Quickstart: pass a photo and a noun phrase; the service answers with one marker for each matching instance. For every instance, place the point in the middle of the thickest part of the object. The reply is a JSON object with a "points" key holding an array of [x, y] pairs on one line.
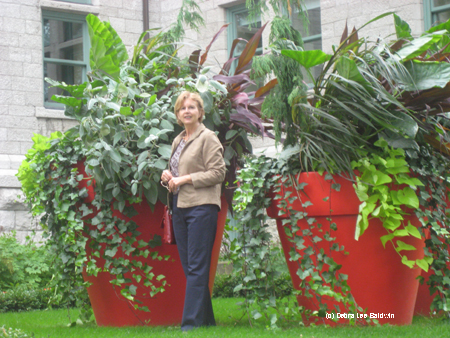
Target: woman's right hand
{"points": [[166, 176]]}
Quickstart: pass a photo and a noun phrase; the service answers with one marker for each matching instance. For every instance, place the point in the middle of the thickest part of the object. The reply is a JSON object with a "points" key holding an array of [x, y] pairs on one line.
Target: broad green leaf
{"points": [[406, 196], [413, 231], [401, 28], [208, 101], [66, 100], [165, 151], [386, 238], [407, 262], [230, 134], [423, 264], [107, 49], [125, 110], [115, 155], [425, 75], [419, 45], [403, 246], [307, 58], [347, 68], [160, 164], [167, 125], [113, 105], [151, 194]]}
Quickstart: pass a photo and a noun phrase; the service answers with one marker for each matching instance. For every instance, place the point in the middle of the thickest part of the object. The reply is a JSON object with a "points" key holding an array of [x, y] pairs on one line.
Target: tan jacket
{"points": [[202, 158]]}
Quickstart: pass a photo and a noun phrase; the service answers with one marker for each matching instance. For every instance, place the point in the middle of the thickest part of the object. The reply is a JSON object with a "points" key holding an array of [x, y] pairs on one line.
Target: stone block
{"points": [[21, 122], [3, 134], [4, 53], [15, 134], [11, 68], [13, 25], [19, 55], [33, 27], [21, 111], [15, 161], [24, 221], [8, 178], [33, 70], [30, 12], [134, 26], [5, 82], [11, 10], [25, 146], [35, 98], [4, 109], [12, 148], [18, 97], [26, 83], [5, 162], [118, 24], [9, 39], [116, 3], [29, 41], [7, 220]]}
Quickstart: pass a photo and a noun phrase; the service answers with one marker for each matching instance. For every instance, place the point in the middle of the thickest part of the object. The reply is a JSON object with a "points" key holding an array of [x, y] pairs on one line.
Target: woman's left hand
{"points": [[176, 182]]}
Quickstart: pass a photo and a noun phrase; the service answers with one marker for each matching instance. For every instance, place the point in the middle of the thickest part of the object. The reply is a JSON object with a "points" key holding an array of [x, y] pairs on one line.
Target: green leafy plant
{"points": [[23, 264], [25, 298], [385, 187], [254, 257], [77, 181]]}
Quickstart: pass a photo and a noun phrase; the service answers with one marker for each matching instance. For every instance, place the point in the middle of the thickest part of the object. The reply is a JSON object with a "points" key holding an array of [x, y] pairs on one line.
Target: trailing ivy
{"points": [[259, 181], [385, 187], [253, 251]]}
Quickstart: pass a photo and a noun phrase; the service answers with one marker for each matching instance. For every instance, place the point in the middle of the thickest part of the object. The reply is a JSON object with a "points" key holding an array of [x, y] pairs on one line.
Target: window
{"points": [[312, 33], [240, 28], [66, 51], [435, 12]]}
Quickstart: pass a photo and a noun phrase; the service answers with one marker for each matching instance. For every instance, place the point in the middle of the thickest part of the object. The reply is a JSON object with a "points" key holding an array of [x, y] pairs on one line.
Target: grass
{"points": [[53, 324]]}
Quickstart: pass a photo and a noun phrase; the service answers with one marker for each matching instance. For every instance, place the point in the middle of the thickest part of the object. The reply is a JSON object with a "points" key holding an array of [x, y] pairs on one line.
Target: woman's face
{"points": [[189, 114]]}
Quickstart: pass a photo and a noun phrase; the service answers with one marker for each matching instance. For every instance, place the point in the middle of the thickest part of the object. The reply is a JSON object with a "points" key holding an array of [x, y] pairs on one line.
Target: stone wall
{"points": [[22, 110], [335, 13], [21, 88]]}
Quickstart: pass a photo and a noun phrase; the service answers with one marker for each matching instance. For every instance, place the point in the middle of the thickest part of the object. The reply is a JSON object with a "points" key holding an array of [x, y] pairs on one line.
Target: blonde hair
{"points": [[194, 97]]}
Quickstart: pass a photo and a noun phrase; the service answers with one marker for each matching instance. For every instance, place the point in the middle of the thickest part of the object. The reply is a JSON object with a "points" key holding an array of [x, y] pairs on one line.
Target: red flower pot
{"points": [[166, 308], [379, 281]]}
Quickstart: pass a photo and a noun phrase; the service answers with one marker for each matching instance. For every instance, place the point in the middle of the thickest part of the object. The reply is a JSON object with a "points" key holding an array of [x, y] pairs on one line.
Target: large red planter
{"points": [[111, 309], [379, 281]]}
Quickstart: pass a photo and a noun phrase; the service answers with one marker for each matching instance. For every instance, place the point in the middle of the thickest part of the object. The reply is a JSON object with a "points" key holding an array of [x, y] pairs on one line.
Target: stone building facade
{"points": [[27, 28]]}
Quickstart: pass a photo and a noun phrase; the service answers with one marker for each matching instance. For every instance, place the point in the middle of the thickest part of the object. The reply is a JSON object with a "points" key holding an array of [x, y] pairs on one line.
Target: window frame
{"points": [[84, 2], [430, 11], [67, 17]]}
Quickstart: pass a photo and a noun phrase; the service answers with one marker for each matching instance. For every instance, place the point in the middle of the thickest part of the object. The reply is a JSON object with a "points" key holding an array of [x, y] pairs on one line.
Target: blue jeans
{"points": [[195, 232]]}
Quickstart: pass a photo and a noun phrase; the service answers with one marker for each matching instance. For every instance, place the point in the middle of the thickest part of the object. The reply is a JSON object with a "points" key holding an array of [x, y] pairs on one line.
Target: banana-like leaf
{"points": [[205, 55], [426, 75], [249, 51], [107, 49], [307, 58]]}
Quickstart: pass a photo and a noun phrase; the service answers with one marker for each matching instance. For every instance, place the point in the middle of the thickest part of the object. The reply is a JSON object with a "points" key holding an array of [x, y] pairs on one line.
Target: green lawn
{"points": [[53, 324]]}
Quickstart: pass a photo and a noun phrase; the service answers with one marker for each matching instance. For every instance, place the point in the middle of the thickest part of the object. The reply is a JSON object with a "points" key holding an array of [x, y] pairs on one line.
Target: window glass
{"points": [[65, 48], [241, 27], [436, 12], [63, 40]]}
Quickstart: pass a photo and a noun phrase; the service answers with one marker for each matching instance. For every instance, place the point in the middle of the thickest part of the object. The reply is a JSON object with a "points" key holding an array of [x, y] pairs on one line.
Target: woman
{"points": [[197, 170]]}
